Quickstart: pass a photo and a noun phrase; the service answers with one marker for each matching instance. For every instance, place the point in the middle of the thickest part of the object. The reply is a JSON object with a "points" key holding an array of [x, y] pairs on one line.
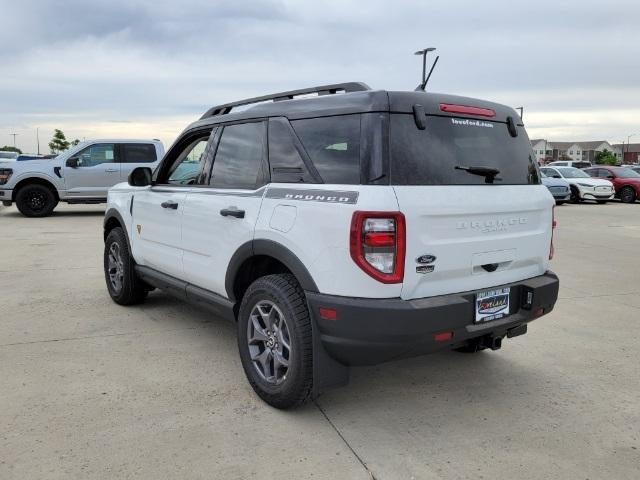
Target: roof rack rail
{"points": [[347, 87]]}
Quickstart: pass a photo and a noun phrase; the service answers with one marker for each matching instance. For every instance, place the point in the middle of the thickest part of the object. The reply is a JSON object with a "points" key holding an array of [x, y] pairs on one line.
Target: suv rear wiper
{"points": [[488, 173]]}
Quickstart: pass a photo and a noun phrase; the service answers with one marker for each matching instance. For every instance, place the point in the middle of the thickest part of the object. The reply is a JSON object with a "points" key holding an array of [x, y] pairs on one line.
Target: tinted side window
{"points": [[333, 144], [285, 161], [238, 161], [138, 153], [96, 155]]}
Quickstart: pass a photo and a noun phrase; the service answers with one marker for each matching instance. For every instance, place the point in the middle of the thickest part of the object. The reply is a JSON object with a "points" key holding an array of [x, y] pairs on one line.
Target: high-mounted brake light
{"points": [[467, 110], [553, 227], [377, 244]]}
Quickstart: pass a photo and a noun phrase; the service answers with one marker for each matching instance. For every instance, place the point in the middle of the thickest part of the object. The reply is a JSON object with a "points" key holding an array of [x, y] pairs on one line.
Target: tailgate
{"points": [[480, 236]]}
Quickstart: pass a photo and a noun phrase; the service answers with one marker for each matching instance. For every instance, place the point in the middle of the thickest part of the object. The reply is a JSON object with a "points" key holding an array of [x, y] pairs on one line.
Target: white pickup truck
{"points": [[82, 174]]}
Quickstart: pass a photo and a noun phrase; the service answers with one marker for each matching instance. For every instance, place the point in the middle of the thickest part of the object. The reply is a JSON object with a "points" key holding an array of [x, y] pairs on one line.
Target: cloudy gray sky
{"points": [[129, 68]]}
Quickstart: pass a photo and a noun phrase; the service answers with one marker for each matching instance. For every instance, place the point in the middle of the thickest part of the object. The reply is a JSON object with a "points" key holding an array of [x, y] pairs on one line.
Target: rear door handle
{"points": [[169, 204], [232, 212], [111, 170]]}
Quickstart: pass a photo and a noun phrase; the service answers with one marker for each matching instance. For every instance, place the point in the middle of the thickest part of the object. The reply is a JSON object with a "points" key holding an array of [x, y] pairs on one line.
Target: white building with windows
{"points": [[550, 151]]}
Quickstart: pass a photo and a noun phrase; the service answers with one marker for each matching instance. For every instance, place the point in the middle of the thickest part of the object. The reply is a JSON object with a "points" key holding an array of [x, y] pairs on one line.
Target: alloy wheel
{"points": [[115, 267], [36, 201], [269, 342]]}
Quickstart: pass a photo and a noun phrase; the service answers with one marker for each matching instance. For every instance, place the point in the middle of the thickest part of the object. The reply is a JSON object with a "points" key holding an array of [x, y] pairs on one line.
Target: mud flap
{"points": [[328, 373]]}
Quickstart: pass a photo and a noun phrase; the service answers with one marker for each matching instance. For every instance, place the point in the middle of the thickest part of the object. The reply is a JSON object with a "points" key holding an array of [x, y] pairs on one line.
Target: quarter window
{"points": [[333, 145], [238, 162]]}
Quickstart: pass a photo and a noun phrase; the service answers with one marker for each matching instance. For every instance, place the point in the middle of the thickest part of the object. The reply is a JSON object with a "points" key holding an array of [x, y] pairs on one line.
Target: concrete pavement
{"points": [[89, 389]]}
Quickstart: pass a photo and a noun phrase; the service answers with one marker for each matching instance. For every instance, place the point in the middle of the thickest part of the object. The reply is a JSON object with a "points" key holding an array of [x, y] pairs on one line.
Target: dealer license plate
{"points": [[492, 304]]}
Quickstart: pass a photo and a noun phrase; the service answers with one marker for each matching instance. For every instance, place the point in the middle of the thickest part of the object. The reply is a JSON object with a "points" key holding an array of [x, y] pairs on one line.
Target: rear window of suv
{"points": [[430, 156]]}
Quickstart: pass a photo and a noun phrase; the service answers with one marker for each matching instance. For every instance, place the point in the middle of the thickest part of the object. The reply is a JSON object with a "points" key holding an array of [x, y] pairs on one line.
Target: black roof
{"points": [[356, 98]]}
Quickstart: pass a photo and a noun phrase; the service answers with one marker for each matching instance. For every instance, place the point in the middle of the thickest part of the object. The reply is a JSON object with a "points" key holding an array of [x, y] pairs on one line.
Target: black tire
{"points": [[36, 200], [130, 289], [601, 202], [296, 381], [628, 195], [560, 202], [575, 195]]}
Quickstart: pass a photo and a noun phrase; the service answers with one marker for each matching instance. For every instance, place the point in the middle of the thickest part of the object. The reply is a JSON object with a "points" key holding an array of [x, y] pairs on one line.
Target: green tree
{"points": [[7, 148], [605, 157], [59, 142]]}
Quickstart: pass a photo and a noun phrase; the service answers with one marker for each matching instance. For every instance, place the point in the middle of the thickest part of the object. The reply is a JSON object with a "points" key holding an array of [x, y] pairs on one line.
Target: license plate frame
{"points": [[492, 304]]}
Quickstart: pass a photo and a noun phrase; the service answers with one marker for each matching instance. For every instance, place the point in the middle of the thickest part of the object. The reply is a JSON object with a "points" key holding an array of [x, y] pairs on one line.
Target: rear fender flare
{"points": [[271, 249]]}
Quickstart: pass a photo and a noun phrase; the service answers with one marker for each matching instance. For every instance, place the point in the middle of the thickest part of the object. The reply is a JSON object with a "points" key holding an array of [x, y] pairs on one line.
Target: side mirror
{"points": [[73, 162], [610, 177], [140, 177]]}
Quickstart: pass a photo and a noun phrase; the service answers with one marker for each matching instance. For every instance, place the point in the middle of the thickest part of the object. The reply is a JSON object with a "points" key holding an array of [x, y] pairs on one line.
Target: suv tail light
{"points": [[377, 244], [553, 227]]}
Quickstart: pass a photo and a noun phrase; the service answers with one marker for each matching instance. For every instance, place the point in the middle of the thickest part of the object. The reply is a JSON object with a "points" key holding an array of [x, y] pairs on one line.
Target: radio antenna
{"points": [[425, 77]]}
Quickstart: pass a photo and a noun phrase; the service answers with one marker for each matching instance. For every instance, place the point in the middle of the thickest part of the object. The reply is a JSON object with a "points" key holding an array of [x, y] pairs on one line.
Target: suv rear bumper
{"points": [[369, 331]]}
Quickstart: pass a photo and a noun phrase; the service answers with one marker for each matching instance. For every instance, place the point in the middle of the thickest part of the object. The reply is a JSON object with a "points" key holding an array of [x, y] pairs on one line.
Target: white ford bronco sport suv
{"points": [[352, 227], [82, 174]]}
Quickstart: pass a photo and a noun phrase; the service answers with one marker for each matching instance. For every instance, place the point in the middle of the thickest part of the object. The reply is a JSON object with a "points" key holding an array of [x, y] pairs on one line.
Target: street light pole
{"points": [[521, 112], [14, 135], [628, 139]]}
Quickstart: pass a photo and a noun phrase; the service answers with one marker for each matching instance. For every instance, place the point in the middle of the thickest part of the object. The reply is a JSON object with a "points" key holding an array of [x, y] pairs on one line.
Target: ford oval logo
{"points": [[425, 259]]}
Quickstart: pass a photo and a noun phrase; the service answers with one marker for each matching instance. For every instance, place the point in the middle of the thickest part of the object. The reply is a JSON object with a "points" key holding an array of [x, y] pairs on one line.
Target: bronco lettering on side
{"points": [[316, 195]]}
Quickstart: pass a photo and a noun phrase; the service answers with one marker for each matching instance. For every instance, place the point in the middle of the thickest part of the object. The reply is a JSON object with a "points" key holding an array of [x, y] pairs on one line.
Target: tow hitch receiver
{"points": [[494, 343]]}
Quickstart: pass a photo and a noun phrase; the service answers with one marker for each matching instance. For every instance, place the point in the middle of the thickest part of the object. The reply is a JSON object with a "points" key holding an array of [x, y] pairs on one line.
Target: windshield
{"points": [[435, 155], [626, 173], [570, 172], [8, 155]]}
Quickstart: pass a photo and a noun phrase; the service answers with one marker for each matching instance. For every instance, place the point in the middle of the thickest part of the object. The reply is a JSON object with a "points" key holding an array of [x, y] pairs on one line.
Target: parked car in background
{"points": [[559, 188], [635, 168], [570, 163], [7, 156], [625, 180], [23, 157], [583, 187], [82, 174]]}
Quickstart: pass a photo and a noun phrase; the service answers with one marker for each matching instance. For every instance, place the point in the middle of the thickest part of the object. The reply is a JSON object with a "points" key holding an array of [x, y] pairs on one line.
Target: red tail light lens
{"points": [[553, 227], [467, 110], [377, 244]]}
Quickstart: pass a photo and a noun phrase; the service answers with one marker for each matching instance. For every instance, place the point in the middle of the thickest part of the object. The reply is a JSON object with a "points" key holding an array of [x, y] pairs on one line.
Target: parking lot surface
{"points": [[89, 389]]}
